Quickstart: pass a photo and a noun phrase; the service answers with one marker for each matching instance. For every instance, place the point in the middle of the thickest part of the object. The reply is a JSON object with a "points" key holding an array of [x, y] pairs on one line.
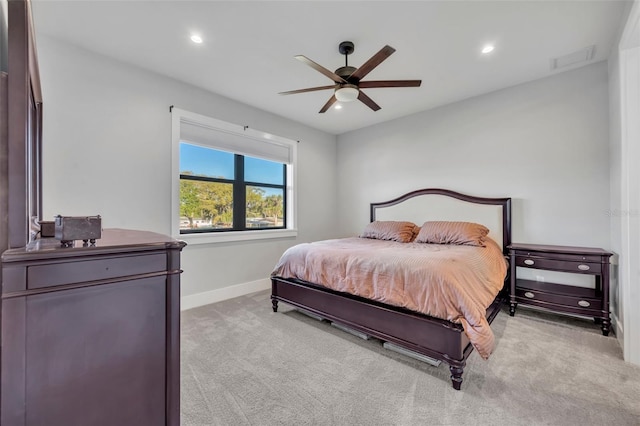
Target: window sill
{"points": [[226, 237]]}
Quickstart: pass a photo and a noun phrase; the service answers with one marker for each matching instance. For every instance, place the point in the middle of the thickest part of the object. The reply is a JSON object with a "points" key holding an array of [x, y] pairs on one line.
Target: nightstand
{"points": [[590, 302]]}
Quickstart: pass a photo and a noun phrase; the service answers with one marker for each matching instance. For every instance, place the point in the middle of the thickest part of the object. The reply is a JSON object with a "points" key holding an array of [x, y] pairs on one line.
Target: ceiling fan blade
{"points": [[333, 76], [328, 104], [373, 62], [390, 83], [368, 101], [310, 89]]}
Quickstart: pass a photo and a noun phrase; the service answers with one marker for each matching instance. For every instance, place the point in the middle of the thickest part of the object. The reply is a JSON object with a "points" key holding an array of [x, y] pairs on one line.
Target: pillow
{"points": [[403, 232], [461, 233]]}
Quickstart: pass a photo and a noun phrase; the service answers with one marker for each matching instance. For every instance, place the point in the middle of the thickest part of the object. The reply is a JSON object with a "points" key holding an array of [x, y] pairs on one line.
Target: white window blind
{"points": [[239, 140]]}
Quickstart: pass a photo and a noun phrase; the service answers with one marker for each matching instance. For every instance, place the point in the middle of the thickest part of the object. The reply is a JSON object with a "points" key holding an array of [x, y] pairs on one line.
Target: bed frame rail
{"points": [[433, 337]]}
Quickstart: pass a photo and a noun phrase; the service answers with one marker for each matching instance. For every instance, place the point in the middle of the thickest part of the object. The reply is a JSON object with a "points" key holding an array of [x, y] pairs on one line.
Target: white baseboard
{"points": [[220, 294], [618, 326]]}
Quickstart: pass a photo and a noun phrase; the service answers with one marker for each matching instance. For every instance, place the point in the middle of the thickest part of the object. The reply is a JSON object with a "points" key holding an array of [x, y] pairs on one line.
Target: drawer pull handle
{"points": [[584, 303], [528, 262], [583, 267], [531, 295]]}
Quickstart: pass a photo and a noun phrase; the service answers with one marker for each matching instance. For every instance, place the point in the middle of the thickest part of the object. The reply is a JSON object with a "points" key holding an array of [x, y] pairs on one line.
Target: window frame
{"points": [[228, 235]]}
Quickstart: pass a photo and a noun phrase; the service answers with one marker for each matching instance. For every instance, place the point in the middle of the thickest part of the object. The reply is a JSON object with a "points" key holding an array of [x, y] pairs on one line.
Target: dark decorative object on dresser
{"points": [[71, 228], [590, 302]]}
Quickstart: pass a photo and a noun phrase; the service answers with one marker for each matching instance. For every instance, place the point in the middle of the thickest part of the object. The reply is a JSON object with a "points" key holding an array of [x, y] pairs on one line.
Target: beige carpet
{"points": [[242, 364]]}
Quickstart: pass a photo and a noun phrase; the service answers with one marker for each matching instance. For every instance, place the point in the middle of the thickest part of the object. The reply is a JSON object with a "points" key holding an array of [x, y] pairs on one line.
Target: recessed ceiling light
{"points": [[196, 39], [488, 48], [338, 106]]}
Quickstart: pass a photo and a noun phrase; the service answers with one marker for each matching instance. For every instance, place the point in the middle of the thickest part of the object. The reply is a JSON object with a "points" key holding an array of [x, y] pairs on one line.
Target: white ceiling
{"points": [[248, 48]]}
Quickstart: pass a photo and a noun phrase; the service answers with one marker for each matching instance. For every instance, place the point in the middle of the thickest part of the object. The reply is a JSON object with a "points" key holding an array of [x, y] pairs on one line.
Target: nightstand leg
{"points": [[603, 282], [512, 286]]}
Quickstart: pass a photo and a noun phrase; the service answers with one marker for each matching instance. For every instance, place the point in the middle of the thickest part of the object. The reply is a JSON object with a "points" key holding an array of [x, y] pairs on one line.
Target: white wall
{"points": [[107, 151], [615, 196], [543, 143], [624, 96]]}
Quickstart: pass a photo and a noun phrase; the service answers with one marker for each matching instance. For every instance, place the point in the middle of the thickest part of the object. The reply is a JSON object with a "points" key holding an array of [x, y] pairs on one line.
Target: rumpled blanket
{"points": [[452, 282]]}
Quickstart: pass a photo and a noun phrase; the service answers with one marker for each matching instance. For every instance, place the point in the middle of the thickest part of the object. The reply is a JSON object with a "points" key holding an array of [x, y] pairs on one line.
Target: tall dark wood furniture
{"points": [[4, 173], [90, 335], [24, 143], [591, 302]]}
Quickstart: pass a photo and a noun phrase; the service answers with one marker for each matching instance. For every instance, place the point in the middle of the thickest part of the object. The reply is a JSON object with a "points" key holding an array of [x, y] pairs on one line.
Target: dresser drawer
{"points": [[559, 265], [54, 274], [576, 302]]}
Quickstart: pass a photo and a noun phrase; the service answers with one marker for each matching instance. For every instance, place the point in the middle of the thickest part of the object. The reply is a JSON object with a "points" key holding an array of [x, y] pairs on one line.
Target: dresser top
{"points": [[559, 249], [113, 240]]}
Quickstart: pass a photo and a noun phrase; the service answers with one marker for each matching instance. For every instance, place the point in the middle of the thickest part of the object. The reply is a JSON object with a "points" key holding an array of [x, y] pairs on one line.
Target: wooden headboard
{"points": [[442, 204]]}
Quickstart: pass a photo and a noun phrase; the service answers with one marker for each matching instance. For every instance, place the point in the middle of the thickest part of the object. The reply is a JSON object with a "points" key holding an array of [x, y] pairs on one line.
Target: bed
{"points": [[434, 337]]}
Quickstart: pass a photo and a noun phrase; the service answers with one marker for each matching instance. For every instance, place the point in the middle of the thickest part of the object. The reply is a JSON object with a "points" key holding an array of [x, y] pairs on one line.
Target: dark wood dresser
{"points": [[568, 299], [91, 334]]}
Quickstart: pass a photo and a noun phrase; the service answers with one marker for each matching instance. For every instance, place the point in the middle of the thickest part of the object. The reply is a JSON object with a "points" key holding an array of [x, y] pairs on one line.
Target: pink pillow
{"points": [[403, 232], [461, 233]]}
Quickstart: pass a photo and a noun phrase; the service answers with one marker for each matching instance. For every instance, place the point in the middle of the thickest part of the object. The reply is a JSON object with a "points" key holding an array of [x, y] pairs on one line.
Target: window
{"points": [[221, 191], [230, 182]]}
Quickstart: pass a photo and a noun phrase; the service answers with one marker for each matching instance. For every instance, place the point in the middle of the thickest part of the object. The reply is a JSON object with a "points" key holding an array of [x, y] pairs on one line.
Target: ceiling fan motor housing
{"points": [[345, 72]]}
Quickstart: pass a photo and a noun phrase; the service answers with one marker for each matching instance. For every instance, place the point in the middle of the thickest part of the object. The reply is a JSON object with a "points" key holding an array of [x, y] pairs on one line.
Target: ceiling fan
{"points": [[348, 80]]}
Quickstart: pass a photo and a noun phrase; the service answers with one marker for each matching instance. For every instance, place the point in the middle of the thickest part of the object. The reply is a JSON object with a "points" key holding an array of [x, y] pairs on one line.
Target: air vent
{"points": [[580, 56]]}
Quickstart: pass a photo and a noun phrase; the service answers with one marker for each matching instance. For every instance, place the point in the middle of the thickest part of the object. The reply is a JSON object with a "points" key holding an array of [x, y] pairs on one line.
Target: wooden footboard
{"points": [[433, 337]]}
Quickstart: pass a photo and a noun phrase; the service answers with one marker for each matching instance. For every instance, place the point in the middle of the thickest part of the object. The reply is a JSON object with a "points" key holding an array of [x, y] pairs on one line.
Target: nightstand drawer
{"points": [[532, 295], [558, 265]]}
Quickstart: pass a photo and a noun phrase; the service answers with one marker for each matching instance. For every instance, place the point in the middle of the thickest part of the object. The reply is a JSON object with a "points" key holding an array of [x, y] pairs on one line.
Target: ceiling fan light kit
{"points": [[347, 93], [347, 79]]}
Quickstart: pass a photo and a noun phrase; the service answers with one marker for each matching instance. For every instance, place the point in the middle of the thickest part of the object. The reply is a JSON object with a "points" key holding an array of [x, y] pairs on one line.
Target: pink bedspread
{"points": [[452, 282]]}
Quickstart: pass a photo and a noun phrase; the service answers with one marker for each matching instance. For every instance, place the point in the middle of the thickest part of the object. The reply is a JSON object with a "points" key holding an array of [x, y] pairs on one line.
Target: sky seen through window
{"points": [[208, 162]]}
